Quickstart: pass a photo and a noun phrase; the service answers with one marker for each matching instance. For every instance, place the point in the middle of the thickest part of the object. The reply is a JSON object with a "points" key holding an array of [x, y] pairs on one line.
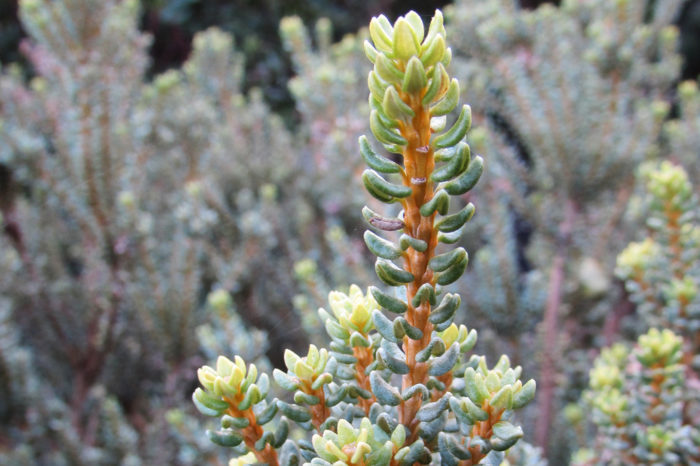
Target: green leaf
{"points": [[446, 309], [506, 430], [335, 330], [293, 412], [475, 386], [416, 23], [440, 202], [384, 326], [455, 221], [377, 86], [207, 404], [448, 102], [446, 57], [454, 271], [387, 70], [416, 454], [252, 396], [436, 347], [458, 130], [469, 342], [474, 411], [382, 133], [376, 104], [380, 222], [433, 54], [414, 389], [415, 78], [390, 303], [444, 261], [431, 411], [336, 397], [455, 164], [302, 398], [448, 445], [358, 340], [450, 238], [393, 357], [402, 326], [406, 241], [386, 394], [406, 44], [381, 247], [436, 27], [381, 38], [466, 180], [443, 364], [323, 379], [524, 395], [505, 435], [370, 51], [230, 422], [503, 399], [429, 430], [375, 183], [284, 381], [376, 161], [438, 82], [381, 456], [281, 434], [460, 412], [266, 414], [390, 274], [426, 293], [267, 437], [225, 438], [394, 107]]}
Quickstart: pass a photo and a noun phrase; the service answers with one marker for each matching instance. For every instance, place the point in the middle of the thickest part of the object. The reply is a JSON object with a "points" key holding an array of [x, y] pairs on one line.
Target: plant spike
{"points": [[411, 92], [416, 90], [345, 394]]}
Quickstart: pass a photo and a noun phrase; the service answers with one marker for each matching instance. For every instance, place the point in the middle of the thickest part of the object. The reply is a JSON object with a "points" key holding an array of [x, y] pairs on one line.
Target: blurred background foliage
{"points": [[254, 24], [245, 135]]}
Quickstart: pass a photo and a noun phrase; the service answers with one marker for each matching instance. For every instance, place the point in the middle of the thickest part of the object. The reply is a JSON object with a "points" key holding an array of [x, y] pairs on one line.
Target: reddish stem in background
{"points": [[548, 372]]}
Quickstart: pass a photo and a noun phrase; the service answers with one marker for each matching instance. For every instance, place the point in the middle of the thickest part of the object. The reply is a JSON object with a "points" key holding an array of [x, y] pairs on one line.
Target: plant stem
{"points": [[548, 372], [419, 164]]}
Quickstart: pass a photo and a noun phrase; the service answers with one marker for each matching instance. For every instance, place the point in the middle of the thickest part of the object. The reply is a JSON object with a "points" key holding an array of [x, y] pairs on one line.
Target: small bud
{"points": [[406, 44], [415, 78]]}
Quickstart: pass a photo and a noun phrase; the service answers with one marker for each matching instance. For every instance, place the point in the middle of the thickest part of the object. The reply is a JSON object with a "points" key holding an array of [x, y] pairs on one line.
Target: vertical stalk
{"points": [[548, 372], [419, 164]]}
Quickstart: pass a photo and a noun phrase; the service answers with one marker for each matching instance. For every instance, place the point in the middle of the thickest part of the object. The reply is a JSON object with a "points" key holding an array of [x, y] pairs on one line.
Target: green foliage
{"points": [[436, 407], [570, 99], [127, 204], [643, 399]]}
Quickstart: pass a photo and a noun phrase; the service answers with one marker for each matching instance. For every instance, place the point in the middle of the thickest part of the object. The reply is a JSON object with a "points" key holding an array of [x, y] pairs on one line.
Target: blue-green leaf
{"points": [[443, 364], [384, 134], [383, 223], [448, 102], [381, 247], [390, 303], [440, 202], [386, 393], [406, 241], [385, 190], [390, 274], [458, 130], [444, 261], [455, 270], [376, 161], [466, 180], [455, 221], [225, 438]]}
